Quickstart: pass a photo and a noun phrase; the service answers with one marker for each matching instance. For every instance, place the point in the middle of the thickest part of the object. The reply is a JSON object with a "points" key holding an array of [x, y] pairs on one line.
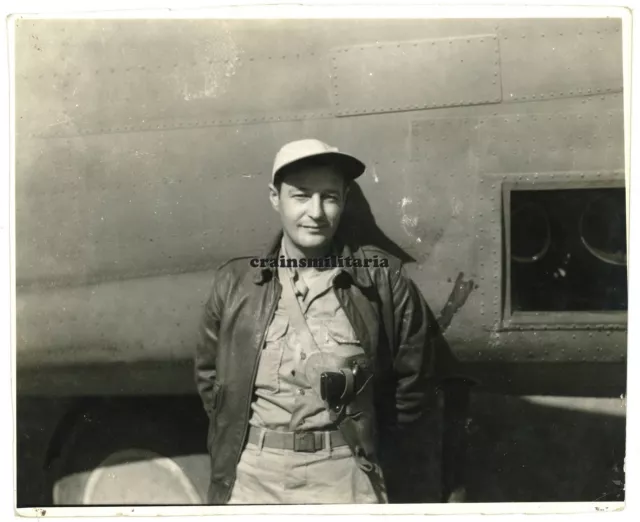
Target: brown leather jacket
{"points": [[398, 332]]}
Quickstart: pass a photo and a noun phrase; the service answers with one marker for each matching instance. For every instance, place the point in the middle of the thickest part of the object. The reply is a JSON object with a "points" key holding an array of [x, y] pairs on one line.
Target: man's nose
{"points": [[315, 207]]}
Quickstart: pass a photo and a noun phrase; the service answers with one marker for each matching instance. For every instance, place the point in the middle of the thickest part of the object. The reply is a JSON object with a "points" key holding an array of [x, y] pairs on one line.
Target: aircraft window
{"points": [[530, 233], [568, 250]]}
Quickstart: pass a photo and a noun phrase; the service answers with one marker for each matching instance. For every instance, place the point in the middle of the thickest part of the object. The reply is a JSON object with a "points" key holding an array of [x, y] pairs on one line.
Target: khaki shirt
{"points": [[285, 400]]}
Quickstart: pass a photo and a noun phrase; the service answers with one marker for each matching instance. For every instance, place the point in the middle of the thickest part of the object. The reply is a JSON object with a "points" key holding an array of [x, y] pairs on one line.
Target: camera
{"points": [[338, 388]]}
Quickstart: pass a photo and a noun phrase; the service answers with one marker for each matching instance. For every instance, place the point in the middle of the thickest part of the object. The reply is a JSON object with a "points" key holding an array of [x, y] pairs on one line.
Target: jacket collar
{"points": [[359, 275]]}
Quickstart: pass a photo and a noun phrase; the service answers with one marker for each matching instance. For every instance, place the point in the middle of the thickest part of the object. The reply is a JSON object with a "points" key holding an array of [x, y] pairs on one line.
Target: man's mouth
{"points": [[315, 228]]}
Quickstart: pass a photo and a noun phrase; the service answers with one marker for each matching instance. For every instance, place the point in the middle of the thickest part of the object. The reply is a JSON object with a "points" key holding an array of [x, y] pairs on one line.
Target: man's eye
{"points": [[300, 196], [331, 197]]}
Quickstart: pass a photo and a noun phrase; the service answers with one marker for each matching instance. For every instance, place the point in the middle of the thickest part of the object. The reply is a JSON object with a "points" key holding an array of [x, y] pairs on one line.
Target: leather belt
{"points": [[299, 441]]}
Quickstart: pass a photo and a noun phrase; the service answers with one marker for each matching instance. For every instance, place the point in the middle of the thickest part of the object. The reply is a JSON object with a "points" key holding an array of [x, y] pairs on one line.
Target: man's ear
{"points": [[274, 197]]}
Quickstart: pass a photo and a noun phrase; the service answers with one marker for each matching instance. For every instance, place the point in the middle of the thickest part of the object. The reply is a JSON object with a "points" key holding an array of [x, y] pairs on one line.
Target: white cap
{"points": [[299, 150]]}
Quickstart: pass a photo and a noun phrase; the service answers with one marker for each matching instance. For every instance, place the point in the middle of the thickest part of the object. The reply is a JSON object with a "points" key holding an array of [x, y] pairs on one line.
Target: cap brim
{"points": [[348, 165]]}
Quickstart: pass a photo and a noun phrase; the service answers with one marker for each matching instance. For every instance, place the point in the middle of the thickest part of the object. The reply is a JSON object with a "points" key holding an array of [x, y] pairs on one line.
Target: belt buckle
{"points": [[304, 441]]}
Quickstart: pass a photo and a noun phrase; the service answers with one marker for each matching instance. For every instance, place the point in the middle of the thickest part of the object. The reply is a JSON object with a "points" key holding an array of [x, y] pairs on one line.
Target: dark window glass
{"points": [[568, 250]]}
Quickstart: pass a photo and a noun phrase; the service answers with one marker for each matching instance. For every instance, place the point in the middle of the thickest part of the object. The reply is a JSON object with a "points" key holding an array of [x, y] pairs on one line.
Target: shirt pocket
{"points": [[268, 377], [341, 338]]}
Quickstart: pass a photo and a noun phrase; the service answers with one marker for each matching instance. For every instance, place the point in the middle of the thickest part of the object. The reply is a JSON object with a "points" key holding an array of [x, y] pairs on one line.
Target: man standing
{"points": [[309, 369]]}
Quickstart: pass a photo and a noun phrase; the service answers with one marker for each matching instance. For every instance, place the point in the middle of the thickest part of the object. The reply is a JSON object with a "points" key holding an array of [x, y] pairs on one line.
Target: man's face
{"points": [[310, 203]]}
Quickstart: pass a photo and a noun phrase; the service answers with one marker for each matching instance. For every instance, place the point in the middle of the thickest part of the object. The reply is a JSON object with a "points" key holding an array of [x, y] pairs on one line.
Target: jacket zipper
{"points": [[272, 312]]}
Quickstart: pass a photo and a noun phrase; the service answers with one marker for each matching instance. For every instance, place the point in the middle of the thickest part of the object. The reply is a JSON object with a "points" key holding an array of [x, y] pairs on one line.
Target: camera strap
{"points": [[300, 325], [294, 310], [318, 361]]}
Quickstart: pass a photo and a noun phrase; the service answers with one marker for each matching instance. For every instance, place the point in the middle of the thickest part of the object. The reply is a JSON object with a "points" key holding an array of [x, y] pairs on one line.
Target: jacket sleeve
{"points": [[207, 348], [416, 338], [406, 448]]}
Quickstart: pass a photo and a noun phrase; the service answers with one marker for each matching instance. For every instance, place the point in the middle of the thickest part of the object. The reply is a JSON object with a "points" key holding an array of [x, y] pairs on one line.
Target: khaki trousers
{"points": [[275, 476]]}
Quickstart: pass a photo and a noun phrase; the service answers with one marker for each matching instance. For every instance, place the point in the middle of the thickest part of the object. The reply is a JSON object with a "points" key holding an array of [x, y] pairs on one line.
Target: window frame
{"points": [[549, 319]]}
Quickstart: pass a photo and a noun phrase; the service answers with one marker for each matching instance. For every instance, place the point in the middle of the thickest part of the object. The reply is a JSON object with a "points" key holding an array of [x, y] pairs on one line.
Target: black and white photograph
{"points": [[312, 261]]}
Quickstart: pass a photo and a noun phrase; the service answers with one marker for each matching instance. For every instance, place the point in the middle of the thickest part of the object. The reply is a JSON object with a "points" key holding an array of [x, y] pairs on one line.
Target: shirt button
{"points": [[293, 372], [303, 356], [300, 391]]}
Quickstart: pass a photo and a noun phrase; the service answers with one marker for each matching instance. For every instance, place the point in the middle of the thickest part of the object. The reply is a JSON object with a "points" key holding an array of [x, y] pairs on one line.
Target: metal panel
{"points": [[442, 152], [136, 204], [321, 34], [413, 75], [552, 142], [600, 104], [443, 142], [445, 149], [487, 230], [560, 58], [101, 77], [137, 320], [554, 346]]}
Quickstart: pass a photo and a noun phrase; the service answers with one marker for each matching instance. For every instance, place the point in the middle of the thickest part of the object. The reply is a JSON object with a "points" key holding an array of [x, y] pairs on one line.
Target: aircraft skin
{"points": [[143, 155]]}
